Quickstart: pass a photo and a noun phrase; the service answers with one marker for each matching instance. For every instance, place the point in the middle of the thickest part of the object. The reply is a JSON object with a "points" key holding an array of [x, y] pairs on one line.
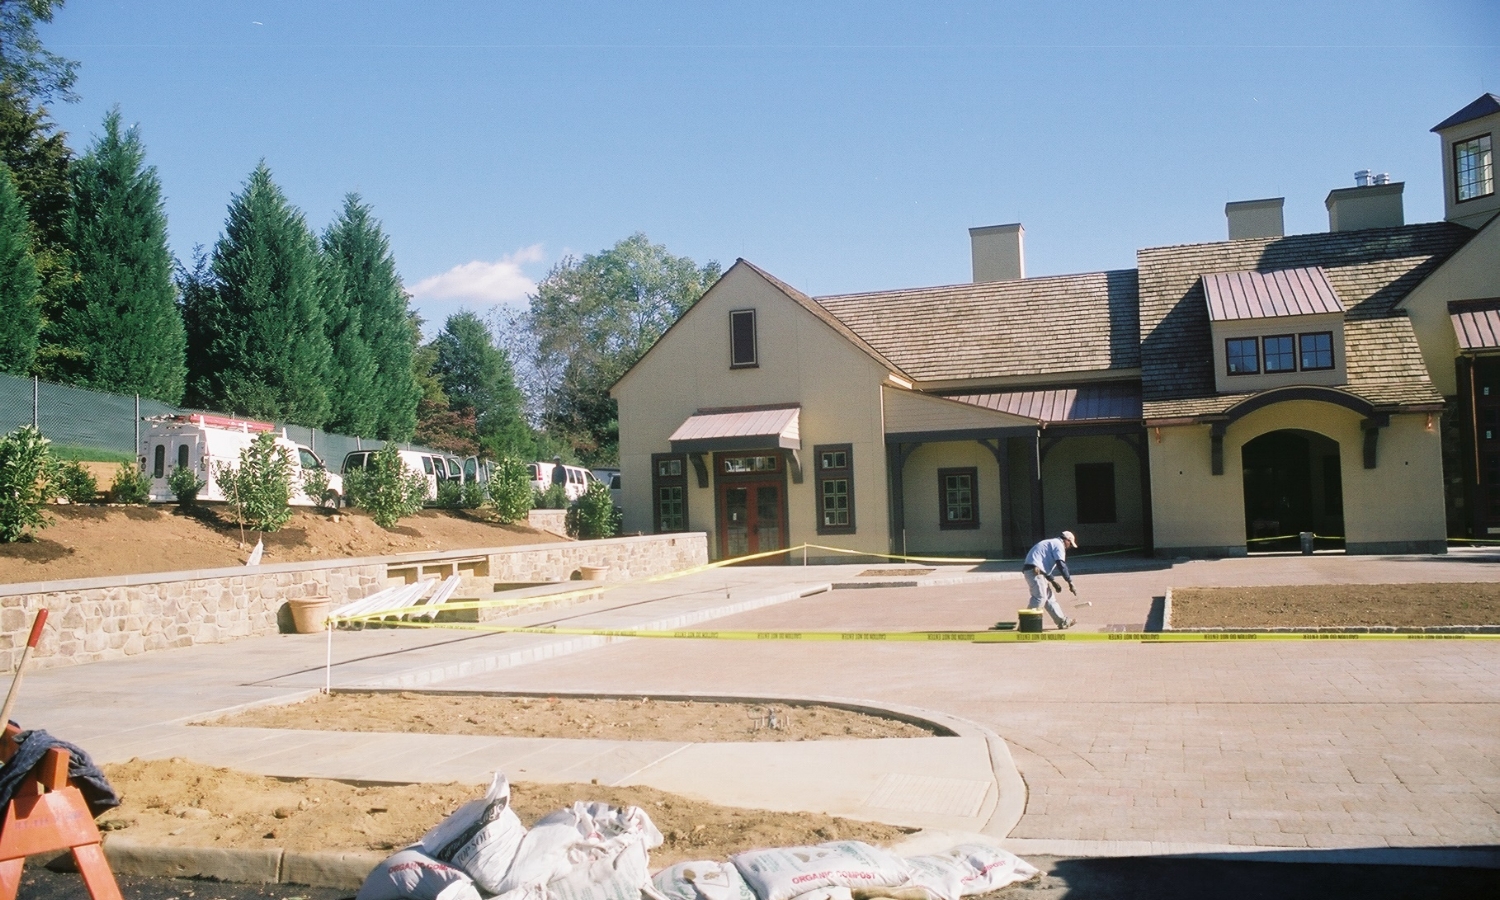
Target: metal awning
{"points": [[1086, 403], [1476, 324], [741, 428], [1267, 295]]}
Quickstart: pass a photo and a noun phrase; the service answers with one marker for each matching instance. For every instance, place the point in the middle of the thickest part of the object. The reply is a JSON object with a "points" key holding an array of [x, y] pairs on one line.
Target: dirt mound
{"points": [[179, 803], [636, 719], [86, 541]]}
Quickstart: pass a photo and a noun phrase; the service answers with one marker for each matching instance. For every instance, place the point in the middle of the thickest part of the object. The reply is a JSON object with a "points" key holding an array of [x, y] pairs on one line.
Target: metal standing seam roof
{"points": [[760, 426], [1092, 402], [1265, 295], [1476, 324]]}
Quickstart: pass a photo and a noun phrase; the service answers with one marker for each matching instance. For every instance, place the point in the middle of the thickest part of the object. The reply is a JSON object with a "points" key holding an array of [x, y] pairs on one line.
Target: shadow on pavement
{"points": [[1171, 878]]}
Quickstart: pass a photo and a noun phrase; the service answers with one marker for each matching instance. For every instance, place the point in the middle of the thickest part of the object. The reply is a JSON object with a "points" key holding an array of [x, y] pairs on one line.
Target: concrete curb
{"points": [[342, 869]]}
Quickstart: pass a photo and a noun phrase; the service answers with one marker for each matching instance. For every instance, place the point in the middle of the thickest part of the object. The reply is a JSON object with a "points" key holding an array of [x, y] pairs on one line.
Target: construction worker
{"points": [[1041, 567]]}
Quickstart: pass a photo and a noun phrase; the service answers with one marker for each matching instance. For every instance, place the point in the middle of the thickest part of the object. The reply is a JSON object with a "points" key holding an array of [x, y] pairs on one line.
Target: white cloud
{"points": [[501, 281]]}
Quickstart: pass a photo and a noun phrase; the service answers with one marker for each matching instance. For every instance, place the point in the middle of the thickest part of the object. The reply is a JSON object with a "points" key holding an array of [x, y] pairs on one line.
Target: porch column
{"points": [[1034, 468]]}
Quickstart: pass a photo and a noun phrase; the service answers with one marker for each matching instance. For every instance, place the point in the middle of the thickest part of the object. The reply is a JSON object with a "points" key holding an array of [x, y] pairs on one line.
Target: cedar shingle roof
{"points": [[1052, 325], [1370, 270], [823, 315]]}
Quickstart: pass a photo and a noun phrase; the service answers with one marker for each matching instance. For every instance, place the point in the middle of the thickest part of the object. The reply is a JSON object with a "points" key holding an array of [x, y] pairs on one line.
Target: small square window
{"points": [[834, 459], [669, 468], [1279, 354], [1317, 350], [744, 352], [1243, 355], [1473, 169]]}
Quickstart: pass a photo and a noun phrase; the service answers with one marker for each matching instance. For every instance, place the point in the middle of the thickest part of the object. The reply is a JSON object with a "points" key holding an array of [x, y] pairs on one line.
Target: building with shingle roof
{"points": [[1219, 398]]}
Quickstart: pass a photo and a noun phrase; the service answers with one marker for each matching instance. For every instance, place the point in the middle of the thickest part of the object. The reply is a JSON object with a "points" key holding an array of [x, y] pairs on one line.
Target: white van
{"points": [[576, 478], [437, 468], [202, 441]]}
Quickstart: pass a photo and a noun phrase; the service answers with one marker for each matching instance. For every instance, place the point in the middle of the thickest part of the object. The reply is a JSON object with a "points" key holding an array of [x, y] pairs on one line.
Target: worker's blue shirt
{"points": [[1049, 554]]}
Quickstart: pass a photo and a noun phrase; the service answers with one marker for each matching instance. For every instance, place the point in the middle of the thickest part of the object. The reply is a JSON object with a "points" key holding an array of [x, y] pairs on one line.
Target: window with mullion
{"points": [[1242, 355], [958, 498], [835, 475], [1280, 356], [669, 493], [1317, 350], [1473, 168]]}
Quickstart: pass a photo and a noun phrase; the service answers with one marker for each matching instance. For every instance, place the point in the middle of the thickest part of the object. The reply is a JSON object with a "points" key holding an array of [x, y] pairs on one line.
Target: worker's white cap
{"points": [[1068, 536]]}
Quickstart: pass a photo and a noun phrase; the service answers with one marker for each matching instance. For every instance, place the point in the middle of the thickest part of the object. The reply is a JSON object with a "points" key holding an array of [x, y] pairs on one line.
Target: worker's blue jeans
{"points": [[1042, 595]]}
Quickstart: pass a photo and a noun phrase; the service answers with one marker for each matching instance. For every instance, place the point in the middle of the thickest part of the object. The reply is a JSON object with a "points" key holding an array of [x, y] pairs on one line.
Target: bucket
{"points": [[309, 614], [593, 573], [1031, 621]]}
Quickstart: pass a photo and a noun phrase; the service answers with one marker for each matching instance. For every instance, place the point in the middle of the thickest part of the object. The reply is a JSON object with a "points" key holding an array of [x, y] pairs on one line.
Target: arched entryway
{"points": [[1293, 483]]}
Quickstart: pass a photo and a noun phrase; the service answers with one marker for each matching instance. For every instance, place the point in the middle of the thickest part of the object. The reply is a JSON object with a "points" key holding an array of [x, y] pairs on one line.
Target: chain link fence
{"points": [[79, 418]]}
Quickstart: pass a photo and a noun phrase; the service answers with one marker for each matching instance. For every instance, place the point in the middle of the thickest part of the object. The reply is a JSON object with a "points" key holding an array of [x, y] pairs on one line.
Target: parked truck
{"points": [[203, 441]]}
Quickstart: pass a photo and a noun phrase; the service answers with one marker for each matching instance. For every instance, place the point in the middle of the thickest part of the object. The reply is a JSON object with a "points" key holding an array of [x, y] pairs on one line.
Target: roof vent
{"points": [[1364, 178], [1383, 178]]}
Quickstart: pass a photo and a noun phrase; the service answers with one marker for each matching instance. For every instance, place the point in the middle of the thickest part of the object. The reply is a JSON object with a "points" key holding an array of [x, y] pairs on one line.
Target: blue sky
{"points": [[841, 146]]}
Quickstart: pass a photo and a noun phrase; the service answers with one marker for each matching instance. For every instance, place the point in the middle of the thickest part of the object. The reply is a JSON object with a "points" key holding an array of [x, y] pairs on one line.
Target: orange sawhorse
{"points": [[48, 814]]}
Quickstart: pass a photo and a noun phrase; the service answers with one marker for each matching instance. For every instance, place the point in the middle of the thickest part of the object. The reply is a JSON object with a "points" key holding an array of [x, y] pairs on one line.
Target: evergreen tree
{"points": [[353, 406], [477, 377], [19, 318], [197, 299], [374, 315], [122, 317], [38, 157], [262, 349]]}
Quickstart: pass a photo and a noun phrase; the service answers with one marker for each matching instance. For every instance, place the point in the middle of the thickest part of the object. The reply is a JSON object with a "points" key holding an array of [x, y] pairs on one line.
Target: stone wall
{"points": [[96, 619]]}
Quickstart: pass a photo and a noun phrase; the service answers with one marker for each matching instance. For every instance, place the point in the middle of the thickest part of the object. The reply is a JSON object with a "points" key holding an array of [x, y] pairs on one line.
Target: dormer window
{"points": [[1473, 169], [1274, 329]]}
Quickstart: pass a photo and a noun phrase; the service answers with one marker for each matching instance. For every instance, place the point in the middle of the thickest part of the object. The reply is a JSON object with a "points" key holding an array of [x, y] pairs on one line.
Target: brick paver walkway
{"points": [[1276, 744]]}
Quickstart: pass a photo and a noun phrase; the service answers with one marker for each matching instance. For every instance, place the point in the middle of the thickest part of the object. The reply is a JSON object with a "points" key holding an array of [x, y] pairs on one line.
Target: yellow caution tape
{"points": [[972, 637]]}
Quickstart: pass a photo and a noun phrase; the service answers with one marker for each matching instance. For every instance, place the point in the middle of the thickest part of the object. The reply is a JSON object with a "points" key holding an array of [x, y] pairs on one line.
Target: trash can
{"points": [[1306, 539], [1030, 621], [309, 613]]}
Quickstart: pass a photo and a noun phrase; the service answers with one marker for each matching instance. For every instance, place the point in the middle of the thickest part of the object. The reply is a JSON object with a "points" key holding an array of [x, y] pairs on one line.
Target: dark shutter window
{"points": [[182, 456], [668, 493], [743, 352], [835, 479], [159, 461], [958, 498], [1094, 484]]}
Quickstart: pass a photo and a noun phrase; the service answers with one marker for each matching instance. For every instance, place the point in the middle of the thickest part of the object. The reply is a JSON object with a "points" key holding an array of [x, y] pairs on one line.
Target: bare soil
{"points": [[637, 719], [178, 803], [86, 541], [1337, 605]]}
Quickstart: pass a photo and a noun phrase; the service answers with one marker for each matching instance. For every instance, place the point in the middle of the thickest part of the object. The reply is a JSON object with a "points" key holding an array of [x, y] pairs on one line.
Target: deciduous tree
{"points": [[24, 62], [592, 319]]}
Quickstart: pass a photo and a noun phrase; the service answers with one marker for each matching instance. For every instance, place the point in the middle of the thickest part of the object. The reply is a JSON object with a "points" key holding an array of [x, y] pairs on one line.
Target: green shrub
{"points": [[473, 495], [385, 489], [554, 497], [71, 480], [260, 489], [450, 494], [185, 485], [593, 515], [510, 490], [130, 485], [315, 486], [24, 469]]}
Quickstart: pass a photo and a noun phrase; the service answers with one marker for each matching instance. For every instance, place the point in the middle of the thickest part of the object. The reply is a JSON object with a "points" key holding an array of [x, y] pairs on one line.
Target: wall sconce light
{"points": [[1429, 421], [1157, 429]]}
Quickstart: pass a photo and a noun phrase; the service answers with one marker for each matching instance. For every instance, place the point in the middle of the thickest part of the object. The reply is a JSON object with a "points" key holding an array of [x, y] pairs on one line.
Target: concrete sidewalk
{"points": [[145, 707], [1304, 751]]}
